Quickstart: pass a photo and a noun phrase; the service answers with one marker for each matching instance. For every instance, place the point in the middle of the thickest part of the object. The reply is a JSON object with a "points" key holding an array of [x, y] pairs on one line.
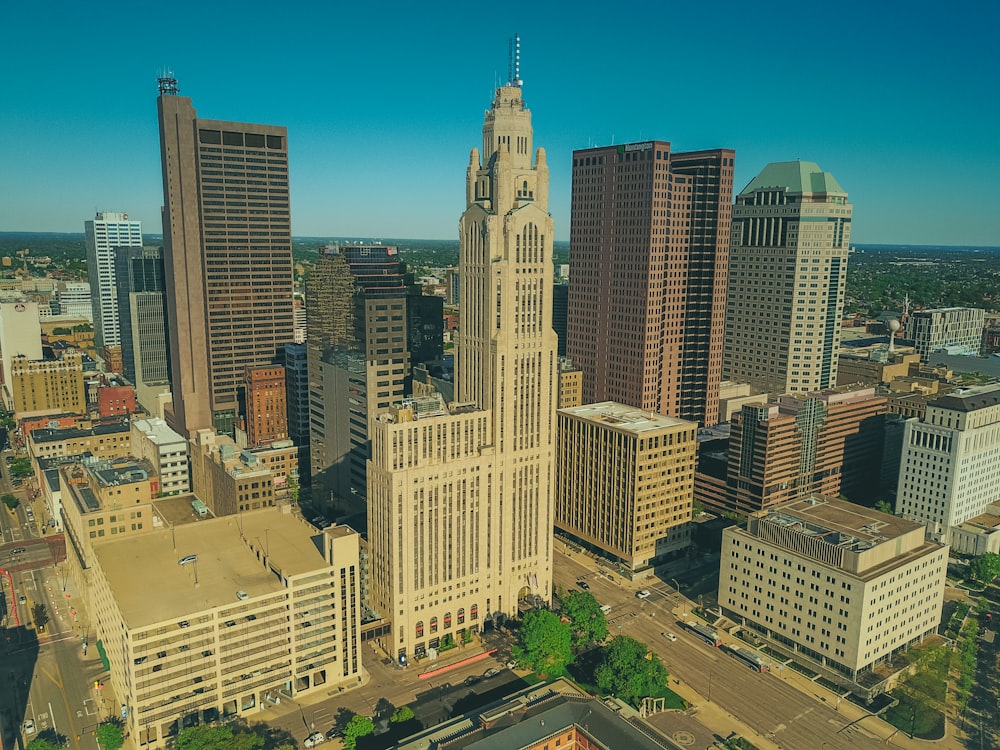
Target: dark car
{"points": [[583, 585], [472, 680]]}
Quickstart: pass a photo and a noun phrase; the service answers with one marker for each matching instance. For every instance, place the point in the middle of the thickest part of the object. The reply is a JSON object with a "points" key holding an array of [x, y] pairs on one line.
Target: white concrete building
{"points": [[102, 235], [949, 470], [153, 440], [956, 330], [844, 586], [20, 334], [75, 300]]}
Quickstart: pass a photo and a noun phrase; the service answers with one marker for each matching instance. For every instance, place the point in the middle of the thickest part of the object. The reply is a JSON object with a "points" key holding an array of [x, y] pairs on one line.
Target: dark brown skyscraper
{"points": [[649, 256], [227, 254]]}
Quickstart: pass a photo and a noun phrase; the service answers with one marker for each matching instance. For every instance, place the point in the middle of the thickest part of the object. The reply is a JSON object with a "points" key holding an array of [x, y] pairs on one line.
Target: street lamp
{"points": [[676, 586]]}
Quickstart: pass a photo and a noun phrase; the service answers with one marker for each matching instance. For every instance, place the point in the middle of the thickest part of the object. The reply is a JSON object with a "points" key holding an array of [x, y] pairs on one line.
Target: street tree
{"points": [[110, 735], [586, 619], [545, 643], [359, 726], [10, 501], [884, 506], [41, 743], [629, 670], [402, 714], [986, 567], [204, 737]]}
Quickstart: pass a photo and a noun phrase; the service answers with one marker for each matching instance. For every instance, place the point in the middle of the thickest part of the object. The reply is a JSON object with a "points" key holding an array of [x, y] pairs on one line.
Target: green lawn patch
{"points": [[913, 718], [803, 670]]}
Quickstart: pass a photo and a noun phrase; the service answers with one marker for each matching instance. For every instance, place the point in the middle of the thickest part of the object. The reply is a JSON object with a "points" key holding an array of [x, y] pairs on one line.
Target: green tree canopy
{"points": [[884, 506], [10, 501], [403, 713], [110, 735], [585, 617], [545, 643], [204, 737], [986, 567], [358, 726], [41, 743], [625, 671]]}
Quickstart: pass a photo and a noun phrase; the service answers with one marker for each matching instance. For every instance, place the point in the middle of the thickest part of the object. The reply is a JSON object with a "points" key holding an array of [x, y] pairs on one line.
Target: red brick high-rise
{"points": [[649, 266], [267, 404]]}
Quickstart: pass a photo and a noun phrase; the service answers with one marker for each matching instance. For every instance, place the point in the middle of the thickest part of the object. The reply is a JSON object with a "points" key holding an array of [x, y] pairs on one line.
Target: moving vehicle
{"points": [[583, 585], [669, 636], [704, 632], [605, 608], [750, 658], [491, 672], [29, 726], [644, 594]]}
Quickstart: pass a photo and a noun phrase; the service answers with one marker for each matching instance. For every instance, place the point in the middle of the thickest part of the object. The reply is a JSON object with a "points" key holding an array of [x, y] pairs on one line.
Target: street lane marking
{"points": [[57, 682]]}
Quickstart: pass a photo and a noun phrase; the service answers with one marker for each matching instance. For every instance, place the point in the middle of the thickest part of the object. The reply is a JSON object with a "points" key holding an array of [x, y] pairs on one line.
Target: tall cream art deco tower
{"points": [[460, 495]]}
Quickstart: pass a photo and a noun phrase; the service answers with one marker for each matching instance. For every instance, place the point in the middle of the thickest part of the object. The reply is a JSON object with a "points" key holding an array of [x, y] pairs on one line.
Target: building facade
{"points": [[102, 236], [950, 465], [153, 440], [787, 279], [266, 404], [140, 287], [460, 497], [625, 482], [649, 261], [956, 330], [227, 250], [844, 586], [48, 384], [827, 443], [256, 608], [20, 335]]}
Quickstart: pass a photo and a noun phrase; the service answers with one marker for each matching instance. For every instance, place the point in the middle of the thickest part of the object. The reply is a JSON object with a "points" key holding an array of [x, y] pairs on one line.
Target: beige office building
{"points": [[48, 385], [460, 497], [152, 439], [791, 233], [625, 482], [225, 616], [843, 586], [106, 441]]}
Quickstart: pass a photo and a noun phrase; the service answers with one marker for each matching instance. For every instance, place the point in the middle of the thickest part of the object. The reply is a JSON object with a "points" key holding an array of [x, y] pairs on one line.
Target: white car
{"points": [[29, 726], [316, 738], [644, 594], [669, 636], [605, 608]]}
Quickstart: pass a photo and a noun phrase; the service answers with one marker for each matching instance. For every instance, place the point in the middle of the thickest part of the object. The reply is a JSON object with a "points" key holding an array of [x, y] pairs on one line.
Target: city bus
{"points": [[750, 658], [704, 632]]}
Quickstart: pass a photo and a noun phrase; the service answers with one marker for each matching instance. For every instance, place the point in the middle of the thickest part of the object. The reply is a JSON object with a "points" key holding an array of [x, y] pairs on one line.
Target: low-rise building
{"points": [[231, 480], [225, 616], [105, 440], [979, 534], [840, 585]]}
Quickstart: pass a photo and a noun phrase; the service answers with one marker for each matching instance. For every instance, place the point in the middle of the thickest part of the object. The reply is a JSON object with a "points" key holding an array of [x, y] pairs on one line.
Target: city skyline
{"points": [[911, 142]]}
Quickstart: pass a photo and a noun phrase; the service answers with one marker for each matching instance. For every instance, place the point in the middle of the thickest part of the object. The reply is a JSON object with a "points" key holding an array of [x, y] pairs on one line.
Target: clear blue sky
{"points": [[383, 101]]}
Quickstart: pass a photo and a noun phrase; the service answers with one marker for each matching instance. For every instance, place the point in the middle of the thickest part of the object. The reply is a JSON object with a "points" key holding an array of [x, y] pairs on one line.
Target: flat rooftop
{"points": [[54, 435], [625, 418], [151, 587], [970, 399], [838, 521]]}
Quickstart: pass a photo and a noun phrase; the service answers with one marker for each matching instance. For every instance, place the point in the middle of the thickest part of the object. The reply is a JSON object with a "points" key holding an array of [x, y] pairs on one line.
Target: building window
{"points": [[420, 629], [434, 624]]}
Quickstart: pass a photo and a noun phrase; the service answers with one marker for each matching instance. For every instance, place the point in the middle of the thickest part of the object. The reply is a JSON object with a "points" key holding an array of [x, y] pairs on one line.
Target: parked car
{"points": [[472, 679], [29, 726], [316, 738], [491, 672], [605, 608], [644, 594]]}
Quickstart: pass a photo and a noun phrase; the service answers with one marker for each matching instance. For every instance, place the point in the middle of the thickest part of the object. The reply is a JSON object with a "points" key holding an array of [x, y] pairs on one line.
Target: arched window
{"points": [[461, 615], [420, 629], [434, 624]]}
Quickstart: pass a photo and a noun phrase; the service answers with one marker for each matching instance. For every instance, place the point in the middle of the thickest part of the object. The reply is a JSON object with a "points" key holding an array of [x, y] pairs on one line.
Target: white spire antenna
{"points": [[514, 61]]}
